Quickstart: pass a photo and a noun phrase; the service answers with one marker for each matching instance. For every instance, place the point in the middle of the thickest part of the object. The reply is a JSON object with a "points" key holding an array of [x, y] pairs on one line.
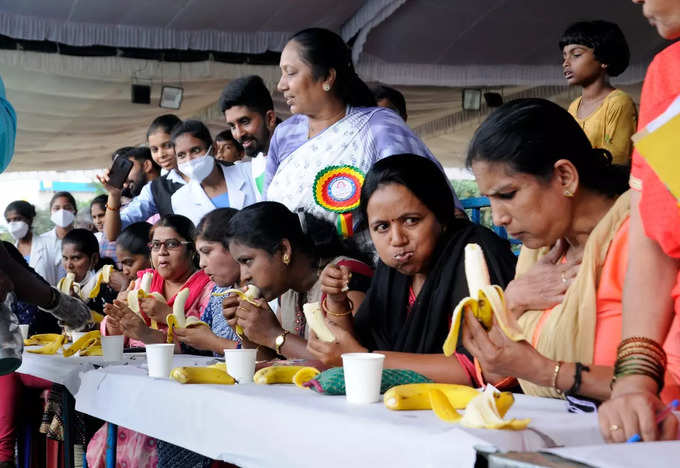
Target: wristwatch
{"points": [[280, 340]]}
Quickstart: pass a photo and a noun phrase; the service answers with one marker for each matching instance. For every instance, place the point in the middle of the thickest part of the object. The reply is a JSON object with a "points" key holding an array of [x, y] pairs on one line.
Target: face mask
{"points": [[63, 218], [18, 229], [198, 168]]}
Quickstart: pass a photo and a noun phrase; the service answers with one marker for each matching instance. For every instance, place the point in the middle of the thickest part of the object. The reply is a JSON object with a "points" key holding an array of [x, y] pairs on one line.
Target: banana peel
{"points": [[84, 343], [285, 375], [486, 411], [133, 297], [251, 293], [50, 347], [202, 375], [486, 301], [178, 319], [42, 339]]}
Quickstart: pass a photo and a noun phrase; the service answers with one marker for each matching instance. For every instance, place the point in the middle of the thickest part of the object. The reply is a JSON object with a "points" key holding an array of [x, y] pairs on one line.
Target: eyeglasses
{"points": [[170, 244]]}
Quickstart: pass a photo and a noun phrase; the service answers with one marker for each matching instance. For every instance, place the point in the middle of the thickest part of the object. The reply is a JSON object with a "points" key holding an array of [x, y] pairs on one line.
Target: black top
{"points": [[162, 189]]}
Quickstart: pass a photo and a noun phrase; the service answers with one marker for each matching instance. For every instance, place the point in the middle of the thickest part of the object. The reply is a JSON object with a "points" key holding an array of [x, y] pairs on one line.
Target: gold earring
{"points": [[286, 259], [326, 87], [568, 193]]}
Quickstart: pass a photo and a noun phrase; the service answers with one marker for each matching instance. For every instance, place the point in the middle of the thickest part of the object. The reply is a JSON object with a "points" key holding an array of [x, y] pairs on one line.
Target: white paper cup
{"points": [[75, 336], [159, 359], [24, 331], [241, 364], [363, 374], [112, 348]]}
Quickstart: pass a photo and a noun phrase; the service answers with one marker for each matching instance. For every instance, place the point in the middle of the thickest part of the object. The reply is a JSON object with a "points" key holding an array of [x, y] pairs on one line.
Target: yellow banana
{"points": [[486, 301], [304, 375], [442, 406], [94, 350], [91, 288], [178, 319], [417, 396], [143, 291], [315, 320], [42, 339], [279, 374], [64, 285], [89, 339], [252, 293], [50, 348], [487, 411], [201, 375]]}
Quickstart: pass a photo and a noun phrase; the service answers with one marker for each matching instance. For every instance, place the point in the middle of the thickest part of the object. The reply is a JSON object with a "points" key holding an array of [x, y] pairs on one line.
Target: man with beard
{"points": [[249, 111], [144, 170]]}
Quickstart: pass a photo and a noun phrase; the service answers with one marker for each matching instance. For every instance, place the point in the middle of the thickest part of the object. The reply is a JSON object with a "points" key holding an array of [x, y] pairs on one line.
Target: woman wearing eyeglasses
{"points": [[174, 263]]}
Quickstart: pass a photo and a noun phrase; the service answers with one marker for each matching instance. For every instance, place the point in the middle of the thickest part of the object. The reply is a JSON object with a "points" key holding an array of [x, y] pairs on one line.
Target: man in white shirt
{"points": [[249, 112]]}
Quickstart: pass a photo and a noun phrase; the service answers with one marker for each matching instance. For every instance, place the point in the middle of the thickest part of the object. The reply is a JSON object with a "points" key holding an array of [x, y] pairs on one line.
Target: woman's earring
{"points": [[286, 259], [326, 87], [568, 193]]}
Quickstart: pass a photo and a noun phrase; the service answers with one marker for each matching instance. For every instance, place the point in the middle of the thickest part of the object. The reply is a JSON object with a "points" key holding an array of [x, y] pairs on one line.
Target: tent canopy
{"points": [[74, 110]]}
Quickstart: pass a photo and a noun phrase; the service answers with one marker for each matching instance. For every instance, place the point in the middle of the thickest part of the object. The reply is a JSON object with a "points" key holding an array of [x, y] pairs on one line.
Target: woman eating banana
{"points": [[409, 209], [565, 201], [282, 254], [174, 257]]}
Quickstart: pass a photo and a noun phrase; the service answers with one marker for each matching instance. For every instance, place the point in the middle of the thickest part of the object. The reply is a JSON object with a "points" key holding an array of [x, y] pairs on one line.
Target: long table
{"points": [[282, 425]]}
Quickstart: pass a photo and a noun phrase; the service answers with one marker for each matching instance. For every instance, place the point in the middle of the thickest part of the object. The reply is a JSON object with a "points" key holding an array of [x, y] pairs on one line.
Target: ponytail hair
{"points": [[255, 227], [531, 135], [324, 50]]}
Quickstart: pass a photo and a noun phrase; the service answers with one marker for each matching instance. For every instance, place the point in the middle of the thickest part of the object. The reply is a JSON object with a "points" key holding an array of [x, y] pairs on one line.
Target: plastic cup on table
{"points": [[24, 331], [159, 359], [363, 375], [75, 336], [112, 348], [241, 364]]}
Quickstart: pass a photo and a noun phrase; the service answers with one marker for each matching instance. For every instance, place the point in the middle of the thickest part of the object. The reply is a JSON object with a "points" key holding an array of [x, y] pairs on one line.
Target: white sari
{"points": [[346, 147]]}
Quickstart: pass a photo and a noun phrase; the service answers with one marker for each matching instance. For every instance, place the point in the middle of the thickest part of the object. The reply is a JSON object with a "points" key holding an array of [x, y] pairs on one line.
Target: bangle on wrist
{"points": [[577, 378], [348, 310], [556, 373], [111, 208]]}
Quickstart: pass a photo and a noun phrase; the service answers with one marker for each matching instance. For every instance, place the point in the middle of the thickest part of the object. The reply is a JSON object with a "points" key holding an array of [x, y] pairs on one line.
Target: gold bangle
{"points": [[110, 208], [324, 307], [556, 372]]}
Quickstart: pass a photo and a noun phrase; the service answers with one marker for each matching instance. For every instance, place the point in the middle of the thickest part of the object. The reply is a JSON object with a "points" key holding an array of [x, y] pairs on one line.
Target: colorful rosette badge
{"points": [[338, 189]]}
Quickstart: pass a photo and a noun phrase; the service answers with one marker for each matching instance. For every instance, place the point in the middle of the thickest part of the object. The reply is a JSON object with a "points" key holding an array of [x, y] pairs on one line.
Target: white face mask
{"points": [[63, 218], [198, 168], [18, 229]]}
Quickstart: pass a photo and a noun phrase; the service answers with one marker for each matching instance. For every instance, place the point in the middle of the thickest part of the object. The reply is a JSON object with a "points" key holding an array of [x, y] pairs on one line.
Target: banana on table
{"points": [[252, 292], [297, 375], [214, 374], [482, 409], [88, 344], [486, 301]]}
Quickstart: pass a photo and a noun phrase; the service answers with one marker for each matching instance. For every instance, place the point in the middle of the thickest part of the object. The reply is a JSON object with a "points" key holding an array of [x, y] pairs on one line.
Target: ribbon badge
{"points": [[338, 189]]}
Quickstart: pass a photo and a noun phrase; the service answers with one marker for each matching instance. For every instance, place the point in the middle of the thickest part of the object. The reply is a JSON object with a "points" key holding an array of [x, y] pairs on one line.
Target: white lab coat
{"points": [[191, 200], [46, 256]]}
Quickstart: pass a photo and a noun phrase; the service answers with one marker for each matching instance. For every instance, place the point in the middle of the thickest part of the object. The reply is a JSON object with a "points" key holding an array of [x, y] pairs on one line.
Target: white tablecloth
{"points": [[654, 454], [282, 425]]}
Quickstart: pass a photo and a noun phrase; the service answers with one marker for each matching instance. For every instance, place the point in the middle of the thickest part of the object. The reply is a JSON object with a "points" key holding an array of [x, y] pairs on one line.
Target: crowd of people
{"points": [[344, 205]]}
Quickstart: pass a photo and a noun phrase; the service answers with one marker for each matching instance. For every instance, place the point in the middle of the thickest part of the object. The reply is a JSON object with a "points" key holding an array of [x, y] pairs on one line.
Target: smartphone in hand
{"points": [[119, 171]]}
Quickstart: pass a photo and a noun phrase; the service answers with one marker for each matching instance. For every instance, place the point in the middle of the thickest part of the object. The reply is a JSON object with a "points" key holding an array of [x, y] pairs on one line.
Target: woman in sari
{"points": [[549, 188], [652, 295], [173, 254], [420, 277], [318, 157]]}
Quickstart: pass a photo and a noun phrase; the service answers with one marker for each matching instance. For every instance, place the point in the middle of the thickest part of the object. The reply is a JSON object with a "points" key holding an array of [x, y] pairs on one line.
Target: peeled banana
{"points": [[252, 292], [84, 343], [284, 375], [202, 375], [487, 410], [90, 289], [143, 291], [178, 319], [316, 321], [486, 301], [417, 396]]}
